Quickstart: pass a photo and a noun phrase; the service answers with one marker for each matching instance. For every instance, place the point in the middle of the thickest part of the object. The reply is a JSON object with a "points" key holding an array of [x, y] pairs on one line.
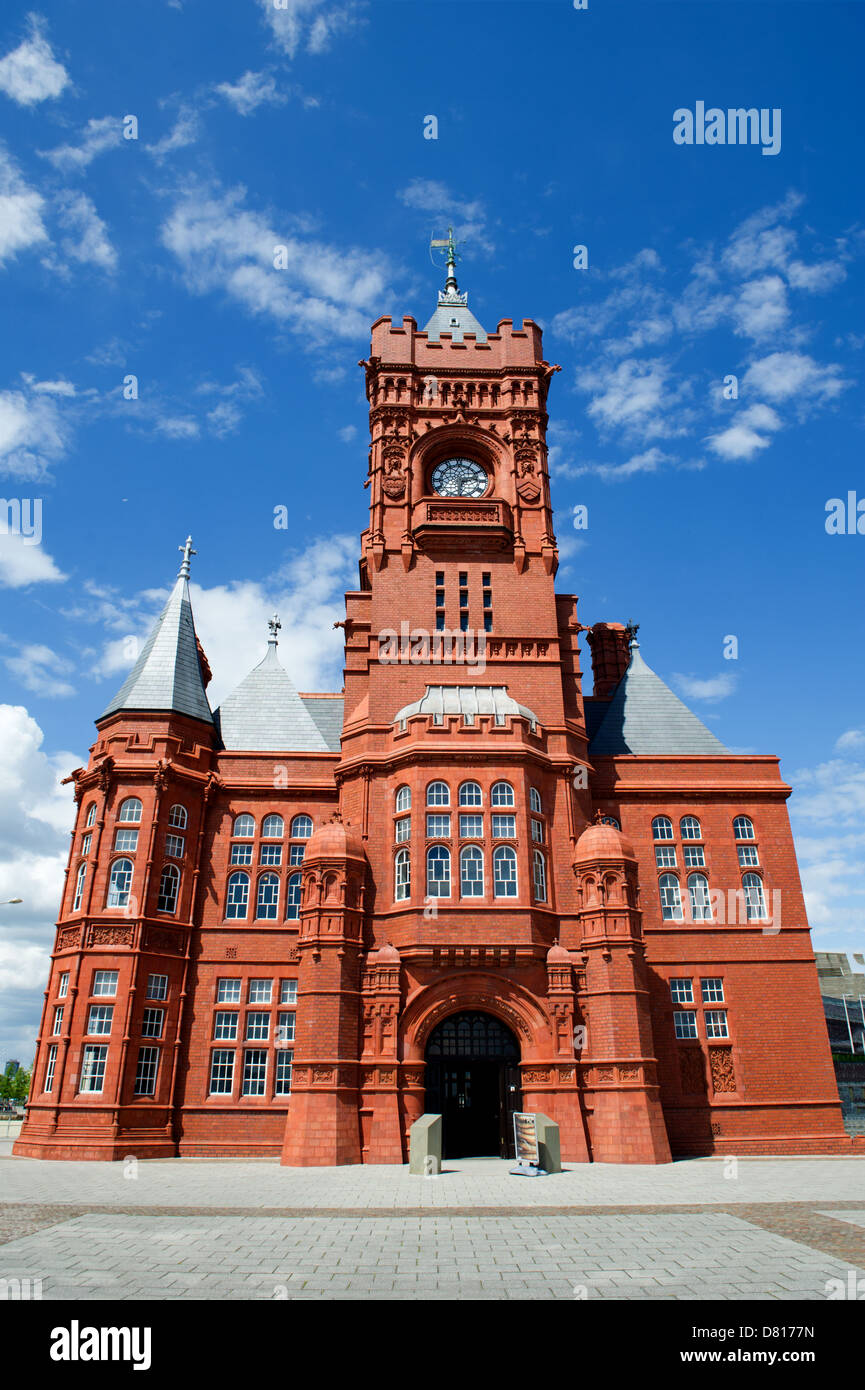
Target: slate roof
{"points": [[167, 674], [466, 700], [265, 713], [327, 712], [453, 316], [644, 716]]}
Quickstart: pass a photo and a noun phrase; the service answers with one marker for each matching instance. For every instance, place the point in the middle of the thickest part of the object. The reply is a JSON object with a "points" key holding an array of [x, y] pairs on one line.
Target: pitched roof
{"points": [[327, 713], [467, 700], [453, 316], [265, 713], [644, 716], [167, 674]]}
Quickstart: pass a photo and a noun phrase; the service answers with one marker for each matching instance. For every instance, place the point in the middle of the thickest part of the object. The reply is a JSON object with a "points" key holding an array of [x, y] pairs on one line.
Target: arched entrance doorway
{"points": [[473, 1082]]}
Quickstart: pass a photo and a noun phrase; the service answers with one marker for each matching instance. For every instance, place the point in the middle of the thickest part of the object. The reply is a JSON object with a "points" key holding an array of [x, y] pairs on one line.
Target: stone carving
{"points": [[605, 1073], [692, 1071], [67, 937], [322, 1074], [535, 1078], [567, 1074], [463, 514], [386, 1078], [629, 1073], [413, 1078], [110, 936], [721, 1069]]}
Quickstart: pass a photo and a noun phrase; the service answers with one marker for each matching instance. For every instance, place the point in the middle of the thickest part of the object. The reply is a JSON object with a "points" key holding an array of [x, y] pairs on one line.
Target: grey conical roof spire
{"points": [[452, 313], [167, 674], [644, 716], [265, 714]]}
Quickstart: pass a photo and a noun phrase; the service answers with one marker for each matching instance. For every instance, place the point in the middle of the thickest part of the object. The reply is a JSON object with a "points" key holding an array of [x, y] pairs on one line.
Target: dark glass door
{"points": [[473, 1082]]}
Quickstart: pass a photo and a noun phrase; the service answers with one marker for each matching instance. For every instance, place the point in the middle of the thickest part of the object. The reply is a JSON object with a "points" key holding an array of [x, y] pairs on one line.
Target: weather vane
{"points": [[449, 245]]}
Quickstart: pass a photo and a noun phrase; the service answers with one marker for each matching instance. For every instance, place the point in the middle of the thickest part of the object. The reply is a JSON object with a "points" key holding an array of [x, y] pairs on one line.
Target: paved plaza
{"points": [[770, 1229]]}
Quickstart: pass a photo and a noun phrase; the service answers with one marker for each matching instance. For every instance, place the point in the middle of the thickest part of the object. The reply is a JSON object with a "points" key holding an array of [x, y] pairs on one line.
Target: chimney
{"points": [[610, 657]]}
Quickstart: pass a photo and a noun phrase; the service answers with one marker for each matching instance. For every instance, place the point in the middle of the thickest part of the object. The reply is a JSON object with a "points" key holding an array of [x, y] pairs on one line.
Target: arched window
{"points": [[292, 898], [610, 820], [402, 875], [502, 794], [169, 885], [662, 828], [120, 882], [438, 872], [471, 872], [701, 903], [79, 886], [539, 876], [267, 900], [438, 794], [690, 828], [130, 811], [504, 871], [471, 794], [90, 818], [403, 799], [244, 828], [272, 828], [671, 897], [177, 817], [301, 828], [743, 828], [237, 901], [755, 902], [535, 800]]}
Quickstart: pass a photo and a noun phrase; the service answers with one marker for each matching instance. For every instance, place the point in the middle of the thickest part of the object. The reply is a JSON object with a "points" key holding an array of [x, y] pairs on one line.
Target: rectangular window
{"points": [[85, 844], [295, 854], [748, 855], [716, 1023], [288, 992], [440, 598], [221, 1071], [152, 1022], [682, 991], [260, 991], [504, 827], [665, 856], [225, 1026], [63, 985], [270, 854], [712, 991], [254, 1071], [257, 1027], [440, 578], [488, 598], [283, 1072], [241, 854], [440, 620], [100, 1018], [49, 1070], [126, 841], [174, 846], [471, 827], [104, 982], [157, 987], [488, 621], [285, 1030], [695, 856], [228, 991], [538, 831], [93, 1067], [464, 627], [464, 578], [438, 827], [685, 1021], [58, 1021], [145, 1071], [403, 829], [464, 598]]}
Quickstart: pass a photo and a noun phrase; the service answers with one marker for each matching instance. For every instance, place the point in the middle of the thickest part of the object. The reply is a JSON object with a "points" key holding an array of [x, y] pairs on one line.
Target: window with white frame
{"points": [[105, 983], [662, 828], [403, 799], [177, 817], [270, 854], [120, 883], [438, 872], [63, 985], [90, 818], [48, 1084], [535, 800], [748, 856], [225, 1025], [244, 827], [221, 1071], [685, 1023], [99, 1019], [152, 1023], [260, 991], [57, 1026], [228, 991], [438, 827], [698, 894], [93, 1063], [157, 987], [471, 827], [272, 828], [471, 794], [254, 1071], [743, 828], [237, 900], [755, 902], [539, 876], [169, 885], [295, 855], [402, 829], [79, 887], [438, 794], [282, 1078], [682, 991], [471, 872], [538, 831], [130, 810], [402, 875], [288, 992], [125, 841], [504, 827], [301, 828], [241, 854], [694, 856], [502, 795], [504, 872], [292, 898], [712, 990], [665, 856], [175, 846], [86, 842], [285, 1029], [691, 828], [257, 1026], [716, 1023], [146, 1070], [671, 898]]}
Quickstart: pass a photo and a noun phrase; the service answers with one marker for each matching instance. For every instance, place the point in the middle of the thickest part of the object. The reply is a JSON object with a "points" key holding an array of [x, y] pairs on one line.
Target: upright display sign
{"points": [[526, 1146]]}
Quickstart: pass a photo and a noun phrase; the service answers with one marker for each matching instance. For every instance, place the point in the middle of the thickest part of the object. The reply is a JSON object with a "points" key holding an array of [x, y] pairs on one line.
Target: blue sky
{"points": [[304, 126]]}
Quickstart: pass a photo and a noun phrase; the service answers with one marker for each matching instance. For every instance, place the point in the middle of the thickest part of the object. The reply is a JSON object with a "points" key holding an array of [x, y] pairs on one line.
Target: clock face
{"points": [[459, 478]]}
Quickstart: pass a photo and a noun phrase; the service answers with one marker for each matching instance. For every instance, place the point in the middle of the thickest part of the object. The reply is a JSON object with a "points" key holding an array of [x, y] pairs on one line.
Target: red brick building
{"points": [[294, 924]]}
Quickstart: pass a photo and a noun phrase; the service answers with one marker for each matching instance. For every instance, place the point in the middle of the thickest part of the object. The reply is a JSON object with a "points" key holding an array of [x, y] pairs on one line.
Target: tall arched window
{"points": [[244, 827], [119, 883], [535, 799], [237, 901], [272, 828], [438, 794], [671, 898], [743, 828], [130, 811], [403, 799], [698, 893], [691, 828], [502, 794], [471, 794], [471, 872], [301, 827], [539, 876], [504, 872], [292, 898], [79, 886], [177, 817], [662, 828], [169, 885], [438, 872], [755, 901], [267, 899], [402, 875], [90, 818]]}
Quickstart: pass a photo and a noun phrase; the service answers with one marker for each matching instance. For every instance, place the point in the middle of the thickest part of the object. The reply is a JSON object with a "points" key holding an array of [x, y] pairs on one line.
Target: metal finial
{"points": [[451, 286], [274, 625], [631, 630], [188, 552]]}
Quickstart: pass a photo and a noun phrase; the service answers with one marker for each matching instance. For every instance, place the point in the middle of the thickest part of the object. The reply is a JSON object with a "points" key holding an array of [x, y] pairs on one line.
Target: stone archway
{"points": [[473, 1081]]}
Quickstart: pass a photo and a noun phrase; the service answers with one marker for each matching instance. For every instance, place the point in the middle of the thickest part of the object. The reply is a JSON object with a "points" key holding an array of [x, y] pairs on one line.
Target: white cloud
{"points": [[31, 73], [814, 279], [32, 433], [51, 388], [850, 741], [712, 689], [177, 426], [630, 395], [101, 133], [785, 375], [347, 433], [310, 24], [252, 90], [649, 461], [21, 209], [761, 307], [467, 216], [41, 670], [88, 242], [22, 564], [185, 131], [742, 439]]}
